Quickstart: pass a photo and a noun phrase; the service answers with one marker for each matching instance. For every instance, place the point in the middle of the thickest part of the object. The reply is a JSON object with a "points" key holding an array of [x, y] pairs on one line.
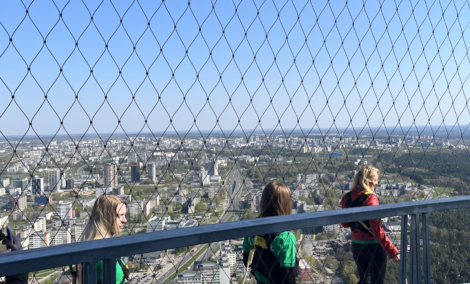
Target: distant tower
{"points": [[110, 175], [70, 183], [54, 180], [213, 168], [151, 171], [37, 185], [135, 172]]}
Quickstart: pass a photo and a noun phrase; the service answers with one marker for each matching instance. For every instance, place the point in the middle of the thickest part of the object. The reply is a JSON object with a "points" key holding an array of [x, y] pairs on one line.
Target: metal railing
{"points": [[88, 253]]}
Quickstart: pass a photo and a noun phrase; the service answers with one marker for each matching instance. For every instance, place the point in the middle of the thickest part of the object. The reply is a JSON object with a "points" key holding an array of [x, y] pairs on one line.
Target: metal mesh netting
{"points": [[186, 110]]}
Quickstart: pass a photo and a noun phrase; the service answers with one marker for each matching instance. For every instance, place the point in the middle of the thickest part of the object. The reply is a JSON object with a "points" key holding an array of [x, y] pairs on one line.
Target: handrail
{"points": [[92, 251]]}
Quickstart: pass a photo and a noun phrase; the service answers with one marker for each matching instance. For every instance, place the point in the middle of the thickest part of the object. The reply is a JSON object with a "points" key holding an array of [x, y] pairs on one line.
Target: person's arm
{"points": [[246, 250], [283, 247], [378, 230], [21, 278], [17, 279], [343, 205]]}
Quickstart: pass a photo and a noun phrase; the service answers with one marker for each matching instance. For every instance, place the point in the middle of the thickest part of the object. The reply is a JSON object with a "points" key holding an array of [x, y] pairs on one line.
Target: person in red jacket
{"points": [[370, 244]]}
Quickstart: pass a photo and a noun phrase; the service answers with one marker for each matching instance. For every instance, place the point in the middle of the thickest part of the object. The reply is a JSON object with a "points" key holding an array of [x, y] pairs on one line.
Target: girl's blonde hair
{"points": [[102, 223], [275, 200], [362, 178]]}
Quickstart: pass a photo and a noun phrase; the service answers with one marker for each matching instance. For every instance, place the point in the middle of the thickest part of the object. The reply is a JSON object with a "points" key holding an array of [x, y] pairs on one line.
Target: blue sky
{"points": [[187, 65]]}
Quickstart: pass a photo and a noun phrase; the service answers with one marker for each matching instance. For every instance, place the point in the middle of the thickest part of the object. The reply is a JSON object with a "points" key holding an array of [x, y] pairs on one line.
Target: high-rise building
{"points": [[63, 182], [204, 177], [37, 185], [118, 190], [70, 183], [12, 203], [110, 175], [21, 183], [151, 171], [39, 240], [77, 230], [4, 181], [60, 236], [135, 208], [213, 168], [65, 210], [135, 172], [54, 180]]}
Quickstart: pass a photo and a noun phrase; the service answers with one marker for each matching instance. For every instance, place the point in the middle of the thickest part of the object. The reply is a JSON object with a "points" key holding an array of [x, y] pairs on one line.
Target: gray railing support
{"points": [[109, 270], [403, 248], [415, 267], [426, 248], [89, 273]]}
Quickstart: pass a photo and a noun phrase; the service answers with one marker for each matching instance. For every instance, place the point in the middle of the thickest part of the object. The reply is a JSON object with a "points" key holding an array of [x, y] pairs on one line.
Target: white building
{"points": [[39, 240], [204, 177], [151, 171], [210, 272], [4, 181], [3, 221], [77, 230], [189, 277], [38, 225], [14, 191], [60, 236], [103, 190], [157, 223], [331, 228], [65, 210]]}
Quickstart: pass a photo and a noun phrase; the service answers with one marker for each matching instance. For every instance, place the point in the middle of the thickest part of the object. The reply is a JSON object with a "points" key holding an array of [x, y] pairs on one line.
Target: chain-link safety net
{"points": [[186, 110]]}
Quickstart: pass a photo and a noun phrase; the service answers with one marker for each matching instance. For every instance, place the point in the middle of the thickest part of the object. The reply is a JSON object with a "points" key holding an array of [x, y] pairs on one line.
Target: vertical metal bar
{"points": [[88, 273], [84, 274], [415, 250], [426, 249], [109, 270], [403, 248]]}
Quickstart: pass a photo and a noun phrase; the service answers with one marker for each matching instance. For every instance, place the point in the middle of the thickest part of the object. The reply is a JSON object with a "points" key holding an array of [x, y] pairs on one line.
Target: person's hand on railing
{"points": [[13, 246], [396, 258]]}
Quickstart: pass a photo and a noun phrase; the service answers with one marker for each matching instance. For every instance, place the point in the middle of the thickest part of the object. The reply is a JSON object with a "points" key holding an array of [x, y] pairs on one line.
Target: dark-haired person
{"points": [[274, 258], [14, 245], [370, 244]]}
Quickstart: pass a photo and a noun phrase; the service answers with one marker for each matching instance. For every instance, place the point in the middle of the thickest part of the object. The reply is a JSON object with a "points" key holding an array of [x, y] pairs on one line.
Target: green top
{"points": [[283, 247], [99, 272]]}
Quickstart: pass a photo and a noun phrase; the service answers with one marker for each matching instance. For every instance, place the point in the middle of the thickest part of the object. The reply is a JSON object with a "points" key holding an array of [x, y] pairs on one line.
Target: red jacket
{"points": [[375, 225]]}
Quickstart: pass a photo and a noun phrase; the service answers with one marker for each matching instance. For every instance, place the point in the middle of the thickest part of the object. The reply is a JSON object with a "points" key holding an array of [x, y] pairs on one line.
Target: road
{"points": [[233, 191], [52, 274]]}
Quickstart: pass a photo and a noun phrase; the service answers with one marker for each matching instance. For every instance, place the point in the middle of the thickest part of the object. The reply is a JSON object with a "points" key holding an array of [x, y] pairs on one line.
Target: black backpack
{"points": [[358, 203], [266, 263]]}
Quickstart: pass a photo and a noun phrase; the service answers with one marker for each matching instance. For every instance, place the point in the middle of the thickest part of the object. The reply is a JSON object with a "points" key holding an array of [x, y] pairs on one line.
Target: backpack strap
{"points": [[363, 226], [125, 270]]}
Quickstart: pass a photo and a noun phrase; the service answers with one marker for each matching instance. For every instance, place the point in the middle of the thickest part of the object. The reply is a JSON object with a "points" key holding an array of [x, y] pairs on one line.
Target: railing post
{"points": [[89, 273], [415, 268], [109, 270], [426, 249], [403, 248]]}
